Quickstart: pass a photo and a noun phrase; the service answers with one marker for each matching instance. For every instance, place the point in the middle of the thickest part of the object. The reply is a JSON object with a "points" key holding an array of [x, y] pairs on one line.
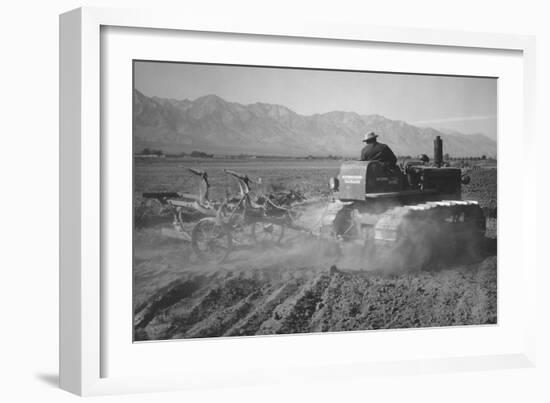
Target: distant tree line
{"points": [[200, 154], [151, 151], [447, 157], [482, 158], [160, 153], [328, 157]]}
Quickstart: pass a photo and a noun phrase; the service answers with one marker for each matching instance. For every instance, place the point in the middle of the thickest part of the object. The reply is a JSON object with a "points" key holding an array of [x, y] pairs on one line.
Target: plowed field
{"points": [[298, 287]]}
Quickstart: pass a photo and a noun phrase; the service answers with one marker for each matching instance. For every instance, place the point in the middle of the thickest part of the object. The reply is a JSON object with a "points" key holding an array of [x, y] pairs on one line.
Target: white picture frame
{"points": [[83, 173]]}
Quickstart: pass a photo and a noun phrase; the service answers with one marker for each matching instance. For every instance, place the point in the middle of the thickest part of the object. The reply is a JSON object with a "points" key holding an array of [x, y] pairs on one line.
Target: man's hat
{"points": [[370, 136]]}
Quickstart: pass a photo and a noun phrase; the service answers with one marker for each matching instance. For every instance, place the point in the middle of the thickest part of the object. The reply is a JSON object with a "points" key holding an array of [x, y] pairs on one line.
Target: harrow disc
{"points": [[210, 240]]}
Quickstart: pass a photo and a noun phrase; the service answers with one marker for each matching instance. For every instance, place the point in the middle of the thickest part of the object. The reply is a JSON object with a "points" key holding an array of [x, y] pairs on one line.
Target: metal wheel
{"points": [[266, 233], [211, 241]]}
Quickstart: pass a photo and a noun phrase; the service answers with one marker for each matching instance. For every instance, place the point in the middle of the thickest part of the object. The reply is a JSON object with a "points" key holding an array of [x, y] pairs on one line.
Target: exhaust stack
{"points": [[438, 151]]}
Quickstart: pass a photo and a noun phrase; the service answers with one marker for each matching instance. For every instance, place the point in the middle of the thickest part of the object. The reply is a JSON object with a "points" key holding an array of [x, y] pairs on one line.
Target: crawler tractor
{"points": [[407, 215]]}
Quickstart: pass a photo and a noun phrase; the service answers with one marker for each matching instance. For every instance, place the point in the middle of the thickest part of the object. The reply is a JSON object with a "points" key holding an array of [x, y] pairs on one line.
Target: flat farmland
{"points": [[308, 176], [292, 287]]}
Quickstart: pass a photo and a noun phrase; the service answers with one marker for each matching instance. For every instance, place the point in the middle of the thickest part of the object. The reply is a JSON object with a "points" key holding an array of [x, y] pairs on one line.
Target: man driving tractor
{"points": [[375, 151]]}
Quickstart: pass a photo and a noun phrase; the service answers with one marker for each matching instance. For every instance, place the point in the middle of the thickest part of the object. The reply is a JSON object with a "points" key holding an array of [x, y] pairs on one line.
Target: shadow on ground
{"points": [[49, 379]]}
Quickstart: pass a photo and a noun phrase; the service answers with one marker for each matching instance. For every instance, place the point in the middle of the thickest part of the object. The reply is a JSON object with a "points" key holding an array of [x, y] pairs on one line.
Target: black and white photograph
{"points": [[274, 200], [295, 201]]}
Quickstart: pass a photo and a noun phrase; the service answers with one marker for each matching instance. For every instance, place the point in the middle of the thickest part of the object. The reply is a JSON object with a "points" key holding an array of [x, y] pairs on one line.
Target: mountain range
{"points": [[214, 125]]}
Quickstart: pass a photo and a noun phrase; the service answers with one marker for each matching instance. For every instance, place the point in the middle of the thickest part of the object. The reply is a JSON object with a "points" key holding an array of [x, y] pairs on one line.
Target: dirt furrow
{"points": [[296, 300], [252, 322]]}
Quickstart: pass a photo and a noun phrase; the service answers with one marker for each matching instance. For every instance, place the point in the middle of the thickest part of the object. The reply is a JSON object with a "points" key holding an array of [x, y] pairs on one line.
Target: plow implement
{"points": [[237, 222]]}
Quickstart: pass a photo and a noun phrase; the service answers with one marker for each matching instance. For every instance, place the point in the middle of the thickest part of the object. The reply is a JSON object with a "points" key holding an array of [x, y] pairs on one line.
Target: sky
{"points": [[464, 104]]}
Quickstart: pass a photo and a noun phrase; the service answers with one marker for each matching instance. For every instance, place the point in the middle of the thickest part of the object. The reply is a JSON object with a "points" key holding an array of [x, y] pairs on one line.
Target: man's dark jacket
{"points": [[378, 152]]}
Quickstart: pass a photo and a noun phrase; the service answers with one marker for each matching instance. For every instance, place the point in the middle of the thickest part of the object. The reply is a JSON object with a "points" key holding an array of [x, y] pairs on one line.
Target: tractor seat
{"points": [[189, 196]]}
